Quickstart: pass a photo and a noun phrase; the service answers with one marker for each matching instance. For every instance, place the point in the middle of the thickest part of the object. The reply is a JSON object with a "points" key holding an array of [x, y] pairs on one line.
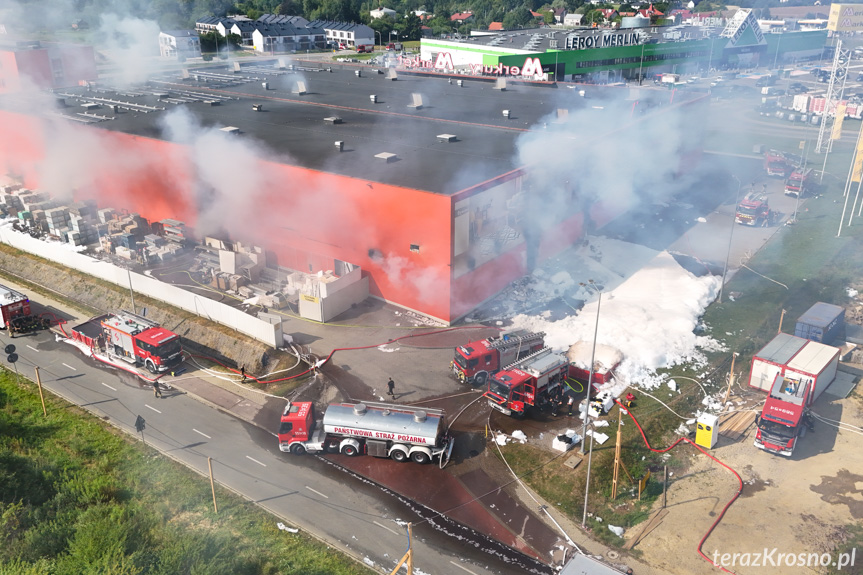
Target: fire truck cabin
{"points": [[513, 389]]}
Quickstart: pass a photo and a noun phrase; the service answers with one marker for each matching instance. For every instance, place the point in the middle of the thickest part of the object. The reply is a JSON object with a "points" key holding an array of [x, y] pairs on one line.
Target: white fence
{"points": [[218, 312]]}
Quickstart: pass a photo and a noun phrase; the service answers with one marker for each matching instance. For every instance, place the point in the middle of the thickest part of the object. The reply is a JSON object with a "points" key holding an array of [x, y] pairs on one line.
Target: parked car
{"points": [[764, 81], [797, 88]]}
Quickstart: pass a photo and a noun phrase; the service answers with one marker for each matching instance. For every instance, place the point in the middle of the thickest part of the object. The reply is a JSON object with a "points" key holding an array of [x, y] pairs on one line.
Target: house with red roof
{"points": [[651, 11], [462, 17], [495, 27]]}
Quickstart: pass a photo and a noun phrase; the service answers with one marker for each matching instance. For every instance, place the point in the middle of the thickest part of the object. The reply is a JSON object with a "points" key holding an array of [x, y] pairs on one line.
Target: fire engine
{"points": [[754, 211], [785, 416], [777, 164], [477, 360], [379, 429], [798, 182], [132, 339], [527, 382], [15, 312]]}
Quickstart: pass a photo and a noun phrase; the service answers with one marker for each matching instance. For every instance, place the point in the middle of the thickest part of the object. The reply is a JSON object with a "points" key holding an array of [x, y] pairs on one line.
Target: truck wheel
{"points": [[298, 449], [481, 378], [399, 455], [349, 450], [420, 457], [151, 367]]}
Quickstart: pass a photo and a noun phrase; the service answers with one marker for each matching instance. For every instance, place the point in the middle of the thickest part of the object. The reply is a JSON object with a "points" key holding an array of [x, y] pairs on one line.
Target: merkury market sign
{"points": [[530, 68]]}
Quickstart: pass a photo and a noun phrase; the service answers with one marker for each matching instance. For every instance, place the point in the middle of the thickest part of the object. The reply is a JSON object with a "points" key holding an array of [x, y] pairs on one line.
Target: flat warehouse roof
{"points": [[297, 128]]}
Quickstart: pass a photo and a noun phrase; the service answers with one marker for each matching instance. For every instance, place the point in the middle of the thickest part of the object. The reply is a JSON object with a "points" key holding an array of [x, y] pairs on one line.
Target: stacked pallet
{"points": [[735, 425]]}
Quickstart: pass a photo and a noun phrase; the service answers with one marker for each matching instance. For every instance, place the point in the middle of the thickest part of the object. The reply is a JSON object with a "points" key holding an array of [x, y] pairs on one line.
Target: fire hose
{"points": [[699, 448]]}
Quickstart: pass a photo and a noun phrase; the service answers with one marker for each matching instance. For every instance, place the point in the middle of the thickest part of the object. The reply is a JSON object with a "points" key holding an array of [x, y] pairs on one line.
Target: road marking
{"points": [[256, 461], [109, 387], [318, 492], [33, 348], [387, 528], [153, 408], [460, 567], [200, 433], [70, 367]]}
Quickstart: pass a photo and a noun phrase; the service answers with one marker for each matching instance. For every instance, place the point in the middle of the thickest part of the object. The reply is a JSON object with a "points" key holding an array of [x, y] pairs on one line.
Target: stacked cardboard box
{"points": [[106, 215], [58, 221], [174, 230], [83, 233]]}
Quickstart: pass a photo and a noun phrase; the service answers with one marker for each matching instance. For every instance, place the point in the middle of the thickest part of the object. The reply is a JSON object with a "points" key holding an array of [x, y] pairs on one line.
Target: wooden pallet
{"points": [[736, 425], [649, 526]]}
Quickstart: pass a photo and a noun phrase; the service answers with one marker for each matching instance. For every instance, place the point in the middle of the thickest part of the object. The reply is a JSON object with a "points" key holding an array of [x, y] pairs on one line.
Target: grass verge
{"points": [[79, 497]]}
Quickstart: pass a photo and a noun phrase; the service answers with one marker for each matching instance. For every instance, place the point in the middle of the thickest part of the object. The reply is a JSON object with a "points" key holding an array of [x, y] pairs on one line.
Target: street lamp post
{"points": [[587, 480], [590, 283], [380, 39], [730, 236]]}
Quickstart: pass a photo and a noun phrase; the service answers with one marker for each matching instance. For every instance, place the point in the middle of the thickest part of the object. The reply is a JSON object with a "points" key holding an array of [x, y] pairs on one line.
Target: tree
{"points": [[521, 16], [412, 28]]}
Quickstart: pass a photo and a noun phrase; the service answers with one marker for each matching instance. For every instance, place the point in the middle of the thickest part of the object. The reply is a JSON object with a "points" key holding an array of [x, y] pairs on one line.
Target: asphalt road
{"points": [[351, 514]]}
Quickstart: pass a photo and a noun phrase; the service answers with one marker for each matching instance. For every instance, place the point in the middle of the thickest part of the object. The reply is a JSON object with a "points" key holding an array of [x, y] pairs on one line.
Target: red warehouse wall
{"points": [[304, 217]]}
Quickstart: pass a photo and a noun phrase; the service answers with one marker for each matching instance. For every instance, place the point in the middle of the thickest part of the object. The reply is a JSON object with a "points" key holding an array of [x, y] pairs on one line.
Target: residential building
{"points": [[346, 33], [382, 13], [179, 44], [287, 38]]}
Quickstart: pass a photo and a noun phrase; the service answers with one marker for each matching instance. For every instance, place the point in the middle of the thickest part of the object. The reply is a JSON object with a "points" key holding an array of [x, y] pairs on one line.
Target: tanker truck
{"points": [[399, 432]]}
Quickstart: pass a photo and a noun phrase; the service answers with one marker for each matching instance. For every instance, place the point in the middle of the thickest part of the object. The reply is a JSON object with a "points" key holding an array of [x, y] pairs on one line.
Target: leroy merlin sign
{"points": [[443, 62]]}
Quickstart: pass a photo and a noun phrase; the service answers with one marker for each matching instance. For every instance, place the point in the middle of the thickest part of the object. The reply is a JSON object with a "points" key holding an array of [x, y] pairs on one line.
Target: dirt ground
{"points": [[801, 504]]}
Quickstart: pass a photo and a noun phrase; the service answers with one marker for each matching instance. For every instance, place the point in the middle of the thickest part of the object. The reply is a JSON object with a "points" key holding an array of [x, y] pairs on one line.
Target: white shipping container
{"points": [[801, 103]]}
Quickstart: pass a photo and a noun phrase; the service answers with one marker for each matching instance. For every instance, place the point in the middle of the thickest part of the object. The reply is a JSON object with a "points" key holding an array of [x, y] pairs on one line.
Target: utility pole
{"points": [[617, 447], [41, 396], [730, 380]]}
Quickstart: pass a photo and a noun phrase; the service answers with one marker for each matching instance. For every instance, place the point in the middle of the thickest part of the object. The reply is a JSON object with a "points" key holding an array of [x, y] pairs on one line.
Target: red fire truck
{"points": [[477, 360], [785, 416], [798, 182], [527, 382], [754, 211], [131, 338], [777, 164], [15, 312]]}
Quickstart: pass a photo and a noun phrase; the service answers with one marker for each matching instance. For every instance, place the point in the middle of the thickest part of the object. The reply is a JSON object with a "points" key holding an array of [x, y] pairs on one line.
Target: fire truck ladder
{"points": [[527, 338], [528, 359], [835, 91], [143, 322]]}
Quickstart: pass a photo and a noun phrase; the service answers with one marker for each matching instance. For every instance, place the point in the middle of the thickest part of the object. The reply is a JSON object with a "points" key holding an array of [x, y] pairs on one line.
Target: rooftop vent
{"points": [[387, 157], [506, 114], [333, 120], [258, 107], [234, 131], [373, 98], [340, 145], [416, 101], [236, 66], [300, 88], [447, 137]]}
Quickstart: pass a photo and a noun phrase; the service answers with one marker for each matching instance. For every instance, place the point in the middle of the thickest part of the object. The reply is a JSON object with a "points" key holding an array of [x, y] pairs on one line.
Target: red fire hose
{"points": [[699, 448]]}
